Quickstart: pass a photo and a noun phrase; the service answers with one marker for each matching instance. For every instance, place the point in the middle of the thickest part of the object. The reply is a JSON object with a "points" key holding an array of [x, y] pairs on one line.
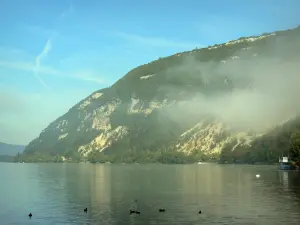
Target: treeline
{"points": [[166, 157], [163, 156], [266, 149], [7, 158], [295, 148], [69, 156], [263, 150]]}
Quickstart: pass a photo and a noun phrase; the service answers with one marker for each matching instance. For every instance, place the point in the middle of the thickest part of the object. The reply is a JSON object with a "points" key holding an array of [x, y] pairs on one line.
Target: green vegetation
{"points": [[266, 149], [282, 141], [7, 158], [295, 148], [152, 136], [69, 156], [166, 157]]}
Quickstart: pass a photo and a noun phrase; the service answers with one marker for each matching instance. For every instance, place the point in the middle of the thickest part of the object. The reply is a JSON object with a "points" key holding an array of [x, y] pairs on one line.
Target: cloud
{"points": [[68, 11], [84, 75], [40, 31], [20, 111], [8, 53], [43, 54], [86, 57], [19, 65], [156, 41], [48, 46], [88, 75], [10, 103], [264, 94], [217, 28]]}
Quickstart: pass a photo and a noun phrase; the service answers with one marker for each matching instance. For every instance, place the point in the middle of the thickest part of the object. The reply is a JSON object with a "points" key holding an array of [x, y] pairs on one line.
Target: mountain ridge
{"points": [[186, 104], [10, 149]]}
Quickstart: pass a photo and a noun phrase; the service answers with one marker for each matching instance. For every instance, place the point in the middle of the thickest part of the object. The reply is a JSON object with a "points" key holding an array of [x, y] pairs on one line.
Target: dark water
{"points": [[58, 193]]}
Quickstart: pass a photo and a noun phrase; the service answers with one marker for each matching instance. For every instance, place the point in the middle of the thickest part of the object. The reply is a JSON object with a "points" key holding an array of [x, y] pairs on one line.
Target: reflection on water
{"points": [[284, 180], [226, 194]]}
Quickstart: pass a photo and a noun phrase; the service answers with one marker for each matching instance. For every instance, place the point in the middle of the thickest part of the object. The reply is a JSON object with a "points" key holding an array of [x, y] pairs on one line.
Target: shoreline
{"points": [[147, 163]]}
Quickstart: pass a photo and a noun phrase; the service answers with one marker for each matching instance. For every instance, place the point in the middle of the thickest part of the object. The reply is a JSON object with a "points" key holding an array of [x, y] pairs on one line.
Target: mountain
{"points": [[10, 150], [231, 101]]}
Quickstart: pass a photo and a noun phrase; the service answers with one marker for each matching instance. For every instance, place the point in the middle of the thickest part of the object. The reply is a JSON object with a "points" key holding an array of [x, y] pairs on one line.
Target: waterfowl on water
{"points": [[134, 212]]}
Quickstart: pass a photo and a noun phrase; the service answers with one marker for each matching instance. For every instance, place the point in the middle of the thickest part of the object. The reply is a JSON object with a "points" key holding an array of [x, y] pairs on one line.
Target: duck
{"points": [[131, 211], [134, 212]]}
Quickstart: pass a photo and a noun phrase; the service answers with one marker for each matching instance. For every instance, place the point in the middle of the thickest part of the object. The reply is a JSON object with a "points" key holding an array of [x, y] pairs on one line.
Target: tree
{"points": [[295, 148]]}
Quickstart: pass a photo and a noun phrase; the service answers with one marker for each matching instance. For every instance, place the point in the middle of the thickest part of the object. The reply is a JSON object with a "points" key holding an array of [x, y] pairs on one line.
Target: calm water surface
{"points": [[226, 194]]}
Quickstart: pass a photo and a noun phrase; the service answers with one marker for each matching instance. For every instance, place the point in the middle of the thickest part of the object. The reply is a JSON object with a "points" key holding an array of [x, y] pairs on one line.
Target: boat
{"points": [[286, 164]]}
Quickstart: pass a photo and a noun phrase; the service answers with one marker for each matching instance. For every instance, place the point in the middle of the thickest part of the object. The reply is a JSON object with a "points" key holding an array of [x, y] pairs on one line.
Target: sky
{"points": [[55, 53]]}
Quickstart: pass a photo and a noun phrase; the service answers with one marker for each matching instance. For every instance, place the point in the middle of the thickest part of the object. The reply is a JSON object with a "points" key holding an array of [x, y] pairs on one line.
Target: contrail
{"points": [[47, 49], [68, 11], [38, 59]]}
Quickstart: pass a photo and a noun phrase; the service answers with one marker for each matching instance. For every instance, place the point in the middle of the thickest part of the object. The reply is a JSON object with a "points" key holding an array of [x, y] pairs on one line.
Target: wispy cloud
{"points": [[68, 11], [43, 54], [86, 57], [84, 75], [9, 53], [19, 107], [47, 48], [10, 102], [40, 31], [88, 75], [156, 41], [19, 65]]}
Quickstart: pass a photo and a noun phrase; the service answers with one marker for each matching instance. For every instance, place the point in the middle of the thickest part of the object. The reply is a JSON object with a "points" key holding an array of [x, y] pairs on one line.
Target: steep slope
{"points": [[200, 102]]}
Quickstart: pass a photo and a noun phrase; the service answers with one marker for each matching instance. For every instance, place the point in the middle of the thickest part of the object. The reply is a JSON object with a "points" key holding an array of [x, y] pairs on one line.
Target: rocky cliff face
{"points": [[202, 100]]}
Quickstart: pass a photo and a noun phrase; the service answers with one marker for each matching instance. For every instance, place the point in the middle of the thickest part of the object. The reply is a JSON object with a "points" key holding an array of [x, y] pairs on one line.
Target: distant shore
{"points": [[145, 163]]}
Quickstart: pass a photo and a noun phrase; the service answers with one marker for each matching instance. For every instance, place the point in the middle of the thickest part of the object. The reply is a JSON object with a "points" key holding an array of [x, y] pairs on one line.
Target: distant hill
{"points": [[232, 101], [10, 149]]}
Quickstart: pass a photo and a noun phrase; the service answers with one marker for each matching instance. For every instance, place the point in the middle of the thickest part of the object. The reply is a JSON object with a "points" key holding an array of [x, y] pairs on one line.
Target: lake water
{"points": [[226, 194]]}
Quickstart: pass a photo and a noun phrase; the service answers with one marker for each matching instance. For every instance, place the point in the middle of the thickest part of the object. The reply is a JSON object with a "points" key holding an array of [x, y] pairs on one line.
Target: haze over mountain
{"points": [[69, 49], [10, 150], [196, 102], [188, 103]]}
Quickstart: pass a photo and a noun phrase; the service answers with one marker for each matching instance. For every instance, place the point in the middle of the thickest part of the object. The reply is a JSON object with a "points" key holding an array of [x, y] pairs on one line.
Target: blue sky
{"points": [[55, 53]]}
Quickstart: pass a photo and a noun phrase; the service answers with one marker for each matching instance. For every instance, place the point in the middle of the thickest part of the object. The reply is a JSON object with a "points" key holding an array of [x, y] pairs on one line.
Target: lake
{"points": [[226, 194]]}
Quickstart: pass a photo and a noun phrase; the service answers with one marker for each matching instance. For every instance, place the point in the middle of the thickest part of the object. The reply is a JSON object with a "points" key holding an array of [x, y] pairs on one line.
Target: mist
{"points": [[10, 103], [265, 88]]}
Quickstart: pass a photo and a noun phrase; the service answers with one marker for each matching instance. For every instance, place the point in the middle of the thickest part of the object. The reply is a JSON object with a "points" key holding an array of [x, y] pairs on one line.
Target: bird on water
{"points": [[134, 212], [30, 215], [85, 210]]}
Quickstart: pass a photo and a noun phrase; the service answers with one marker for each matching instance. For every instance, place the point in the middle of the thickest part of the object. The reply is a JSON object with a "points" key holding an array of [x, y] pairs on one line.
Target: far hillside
{"points": [[10, 149]]}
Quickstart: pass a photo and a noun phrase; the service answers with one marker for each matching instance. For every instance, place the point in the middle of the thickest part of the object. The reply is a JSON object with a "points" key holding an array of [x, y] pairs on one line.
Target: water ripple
{"points": [[57, 194]]}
